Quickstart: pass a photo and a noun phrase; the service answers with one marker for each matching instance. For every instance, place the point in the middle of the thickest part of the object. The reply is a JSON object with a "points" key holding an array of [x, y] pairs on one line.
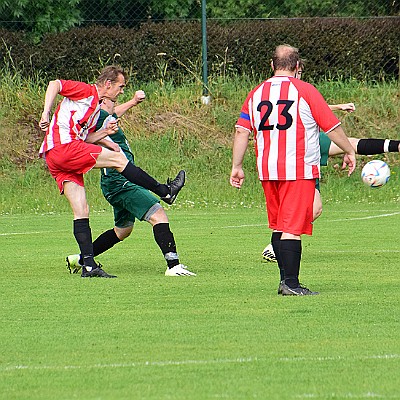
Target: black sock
{"points": [[291, 256], [394, 145], [139, 177], [166, 242], [83, 236], [276, 245], [377, 146], [104, 242]]}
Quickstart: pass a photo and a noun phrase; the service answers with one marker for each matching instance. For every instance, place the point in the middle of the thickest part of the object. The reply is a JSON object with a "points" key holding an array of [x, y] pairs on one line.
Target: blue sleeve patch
{"points": [[244, 116]]}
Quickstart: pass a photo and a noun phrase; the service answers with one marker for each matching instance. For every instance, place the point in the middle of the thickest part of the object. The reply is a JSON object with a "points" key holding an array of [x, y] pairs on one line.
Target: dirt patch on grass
{"points": [[21, 141], [183, 125]]}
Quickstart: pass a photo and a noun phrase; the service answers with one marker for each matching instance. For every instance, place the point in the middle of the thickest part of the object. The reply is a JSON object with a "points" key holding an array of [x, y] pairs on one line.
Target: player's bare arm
{"points": [[240, 144], [109, 144], [110, 129], [334, 150], [104, 134], [121, 109], [52, 91], [338, 136], [349, 107]]}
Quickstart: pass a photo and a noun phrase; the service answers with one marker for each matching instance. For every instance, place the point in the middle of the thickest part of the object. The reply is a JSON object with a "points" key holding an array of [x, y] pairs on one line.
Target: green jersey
{"points": [[324, 144], [128, 200], [111, 180]]}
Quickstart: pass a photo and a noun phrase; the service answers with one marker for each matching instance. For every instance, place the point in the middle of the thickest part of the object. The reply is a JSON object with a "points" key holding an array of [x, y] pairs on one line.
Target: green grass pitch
{"points": [[224, 334]]}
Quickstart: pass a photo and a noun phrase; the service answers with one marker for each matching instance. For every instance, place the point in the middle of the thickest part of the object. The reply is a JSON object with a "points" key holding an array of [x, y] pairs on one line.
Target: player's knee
{"points": [[81, 213], [123, 233], [317, 212], [117, 160], [159, 217], [121, 159]]}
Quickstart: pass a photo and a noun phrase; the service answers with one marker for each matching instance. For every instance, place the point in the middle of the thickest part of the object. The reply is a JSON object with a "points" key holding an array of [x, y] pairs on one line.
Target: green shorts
{"points": [[132, 202], [324, 144]]}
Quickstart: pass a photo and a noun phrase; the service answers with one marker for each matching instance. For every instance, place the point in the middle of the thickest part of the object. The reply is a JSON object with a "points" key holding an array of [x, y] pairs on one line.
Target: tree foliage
{"points": [[45, 16], [40, 16]]}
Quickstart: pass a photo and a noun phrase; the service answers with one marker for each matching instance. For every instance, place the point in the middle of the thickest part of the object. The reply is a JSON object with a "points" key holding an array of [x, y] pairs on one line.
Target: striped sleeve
{"points": [[75, 90], [245, 120], [323, 115]]}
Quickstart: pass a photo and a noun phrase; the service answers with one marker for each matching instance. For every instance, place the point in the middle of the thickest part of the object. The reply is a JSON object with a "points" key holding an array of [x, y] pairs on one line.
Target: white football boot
{"points": [[179, 270]]}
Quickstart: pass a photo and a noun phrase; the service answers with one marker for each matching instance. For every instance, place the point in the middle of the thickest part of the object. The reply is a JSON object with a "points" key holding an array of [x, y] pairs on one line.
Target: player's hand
{"points": [[139, 96], [44, 122], [350, 161], [349, 107], [237, 178], [112, 127], [111, 145]]}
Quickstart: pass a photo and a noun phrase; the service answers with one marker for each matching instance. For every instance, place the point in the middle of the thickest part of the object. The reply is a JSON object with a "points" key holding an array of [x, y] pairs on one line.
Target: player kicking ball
{"points": [[130, 201]]}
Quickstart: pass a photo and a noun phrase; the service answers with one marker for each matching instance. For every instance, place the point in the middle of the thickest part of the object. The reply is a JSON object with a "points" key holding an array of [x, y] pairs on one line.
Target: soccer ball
{"points": [[375, 173]]}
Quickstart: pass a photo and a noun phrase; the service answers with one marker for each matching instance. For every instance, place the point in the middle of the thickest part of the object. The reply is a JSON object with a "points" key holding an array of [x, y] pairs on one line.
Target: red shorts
{"points": [[290, 205], [68, 162]]}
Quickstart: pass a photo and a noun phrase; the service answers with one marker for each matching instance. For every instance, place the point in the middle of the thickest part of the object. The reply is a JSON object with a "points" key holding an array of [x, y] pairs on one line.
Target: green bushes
{"points": [[333, 47]]}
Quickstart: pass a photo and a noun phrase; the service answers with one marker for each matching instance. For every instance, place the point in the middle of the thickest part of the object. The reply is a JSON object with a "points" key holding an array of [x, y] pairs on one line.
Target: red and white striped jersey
{"points": [[286, 114], [75, 116]]}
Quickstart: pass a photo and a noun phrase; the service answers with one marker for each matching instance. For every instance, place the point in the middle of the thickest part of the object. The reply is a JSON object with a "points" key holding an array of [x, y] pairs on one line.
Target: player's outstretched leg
{"points": [[167, 191], [175, 187]]}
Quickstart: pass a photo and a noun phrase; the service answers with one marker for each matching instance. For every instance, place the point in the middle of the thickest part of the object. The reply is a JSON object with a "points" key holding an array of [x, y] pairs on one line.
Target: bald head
{"points": [[285, 58]]}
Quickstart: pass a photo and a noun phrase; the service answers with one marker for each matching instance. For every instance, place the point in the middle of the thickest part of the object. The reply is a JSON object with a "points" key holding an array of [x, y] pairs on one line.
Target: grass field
{"points": [[224, 334]]}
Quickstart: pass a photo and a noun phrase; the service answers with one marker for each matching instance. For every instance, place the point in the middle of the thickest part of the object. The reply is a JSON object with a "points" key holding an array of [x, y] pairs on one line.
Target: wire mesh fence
{"points": [[45, 15], [39, 18]]}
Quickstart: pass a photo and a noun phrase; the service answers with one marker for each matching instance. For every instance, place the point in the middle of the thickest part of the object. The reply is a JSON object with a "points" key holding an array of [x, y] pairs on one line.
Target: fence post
{"points": [[206, 98]]}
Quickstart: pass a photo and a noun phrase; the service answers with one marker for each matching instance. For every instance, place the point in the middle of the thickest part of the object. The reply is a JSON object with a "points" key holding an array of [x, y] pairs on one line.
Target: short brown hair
{"points": [[285, 57], [110, 73]]}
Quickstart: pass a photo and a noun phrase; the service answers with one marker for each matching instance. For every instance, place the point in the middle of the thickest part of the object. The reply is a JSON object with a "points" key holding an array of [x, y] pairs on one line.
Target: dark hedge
{"points": [[336, 48]]}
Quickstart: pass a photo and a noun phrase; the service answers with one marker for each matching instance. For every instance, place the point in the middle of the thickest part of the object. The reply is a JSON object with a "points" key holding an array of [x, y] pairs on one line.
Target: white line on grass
{"points": [[367, 217], [336, 395], [339, 358], [330, 220], [132, 364], [238, 226], [167, 363], [363, 251], [20, 233], [27, 233], [229, 226]]}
